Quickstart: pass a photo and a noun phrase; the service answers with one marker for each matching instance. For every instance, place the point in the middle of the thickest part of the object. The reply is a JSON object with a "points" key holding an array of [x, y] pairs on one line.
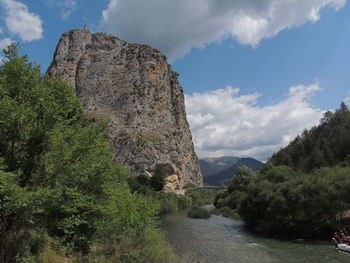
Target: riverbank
{"points": [[224, 240]]}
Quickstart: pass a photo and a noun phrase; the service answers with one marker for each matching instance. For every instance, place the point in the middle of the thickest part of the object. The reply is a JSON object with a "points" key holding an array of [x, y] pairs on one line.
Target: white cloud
{"points": [[347, 99], [4, 43], [226, 123], [20, 21], [174, 27], [67, 7]]}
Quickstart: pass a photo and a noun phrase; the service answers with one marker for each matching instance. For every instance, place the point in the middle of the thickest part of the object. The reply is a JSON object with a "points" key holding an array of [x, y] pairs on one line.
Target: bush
{"points": [[226, 212], [171, 202], [140, 185], [143, 179], [157, 181], [198, 213], [150, 246], [202, 197], [285, 203], [220, 199]]}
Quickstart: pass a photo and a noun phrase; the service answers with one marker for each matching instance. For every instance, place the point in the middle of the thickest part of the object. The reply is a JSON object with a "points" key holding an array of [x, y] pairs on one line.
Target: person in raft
{"points": [[341, 238], [336, 238]]}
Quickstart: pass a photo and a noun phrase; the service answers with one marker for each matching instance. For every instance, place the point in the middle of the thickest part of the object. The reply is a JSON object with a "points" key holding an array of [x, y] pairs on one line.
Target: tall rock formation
{"points": [[133, 87]]}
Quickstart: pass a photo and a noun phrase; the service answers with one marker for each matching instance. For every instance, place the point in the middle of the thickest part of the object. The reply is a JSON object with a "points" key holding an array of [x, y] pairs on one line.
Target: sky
{"points": [[255, 73]]}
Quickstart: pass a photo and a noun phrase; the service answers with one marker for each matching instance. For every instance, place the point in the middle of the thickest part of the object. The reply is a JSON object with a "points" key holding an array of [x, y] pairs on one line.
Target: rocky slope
{"points": [[133, 87]]}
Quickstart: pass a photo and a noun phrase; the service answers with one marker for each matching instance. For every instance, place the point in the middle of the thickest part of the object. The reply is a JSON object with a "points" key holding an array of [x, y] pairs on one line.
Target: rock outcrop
{"points": [[133, 87]]}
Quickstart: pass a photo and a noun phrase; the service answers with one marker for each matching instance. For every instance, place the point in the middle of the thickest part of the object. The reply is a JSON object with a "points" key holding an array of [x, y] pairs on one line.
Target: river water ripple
{"points": [[224, 240]]}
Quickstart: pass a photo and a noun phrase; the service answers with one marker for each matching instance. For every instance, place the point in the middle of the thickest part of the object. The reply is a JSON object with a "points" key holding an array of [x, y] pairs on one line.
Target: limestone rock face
{"points": [[133, 87]]}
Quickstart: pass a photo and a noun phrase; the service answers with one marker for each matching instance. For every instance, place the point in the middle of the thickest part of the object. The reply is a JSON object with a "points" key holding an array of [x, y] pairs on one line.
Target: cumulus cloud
{"points": [[20, 21], [223, 122], [174, 27]]}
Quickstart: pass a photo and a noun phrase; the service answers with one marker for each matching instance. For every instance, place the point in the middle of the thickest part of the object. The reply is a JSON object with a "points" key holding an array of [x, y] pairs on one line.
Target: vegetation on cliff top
{"points": [[61, 196]]}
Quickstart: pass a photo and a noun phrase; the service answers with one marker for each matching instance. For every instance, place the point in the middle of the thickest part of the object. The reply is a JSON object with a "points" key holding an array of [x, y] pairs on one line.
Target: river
{"points": [[224, 240]]}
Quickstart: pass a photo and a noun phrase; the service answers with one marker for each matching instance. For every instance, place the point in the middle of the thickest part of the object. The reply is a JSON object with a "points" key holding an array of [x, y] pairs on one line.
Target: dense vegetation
{"points": [[282, 202], [61, 197], [304, 190], [169, 202], [198, 212], [327, 144]]}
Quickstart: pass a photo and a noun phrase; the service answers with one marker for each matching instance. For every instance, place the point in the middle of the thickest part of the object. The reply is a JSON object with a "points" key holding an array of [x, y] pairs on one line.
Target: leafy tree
{"points": [[241, 180], [57, 176], [157, 181], [30, 107], [15, 215], [343, 107], [143, 179], [327, 144], [285, 203]]}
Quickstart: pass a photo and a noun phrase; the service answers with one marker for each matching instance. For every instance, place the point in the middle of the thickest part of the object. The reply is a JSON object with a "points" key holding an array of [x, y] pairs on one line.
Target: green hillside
{"points": [[327, 144]]}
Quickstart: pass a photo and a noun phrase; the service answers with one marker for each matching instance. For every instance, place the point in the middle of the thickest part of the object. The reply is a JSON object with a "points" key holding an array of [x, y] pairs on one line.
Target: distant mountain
{"points": [[220, 170], [215, 165]]}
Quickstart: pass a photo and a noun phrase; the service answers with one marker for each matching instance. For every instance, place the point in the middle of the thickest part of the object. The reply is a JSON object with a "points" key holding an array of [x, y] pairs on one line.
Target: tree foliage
{"points": [[157, 181], [283, 202], [328, 144], [236, 189], [58, 181]]}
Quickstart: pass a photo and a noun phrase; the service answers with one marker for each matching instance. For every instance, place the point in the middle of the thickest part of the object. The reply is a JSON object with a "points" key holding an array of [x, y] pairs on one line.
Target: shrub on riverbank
{"points": [[226, 212], [171, 202], [144, 248], [198, 212], [204, 197], [281, 202]]}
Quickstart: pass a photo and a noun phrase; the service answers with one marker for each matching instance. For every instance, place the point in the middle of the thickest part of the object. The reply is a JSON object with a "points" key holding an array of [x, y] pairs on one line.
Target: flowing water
{"points": [[224, 240]]}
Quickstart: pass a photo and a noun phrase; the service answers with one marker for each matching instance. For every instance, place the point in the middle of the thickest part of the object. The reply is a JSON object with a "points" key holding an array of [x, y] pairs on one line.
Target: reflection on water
{"points": [[219, 239]]}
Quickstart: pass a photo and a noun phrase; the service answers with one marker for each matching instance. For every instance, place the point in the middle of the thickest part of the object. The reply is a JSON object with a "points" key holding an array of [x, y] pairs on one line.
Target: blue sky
{"points": [[314, 52], [255, 72]]}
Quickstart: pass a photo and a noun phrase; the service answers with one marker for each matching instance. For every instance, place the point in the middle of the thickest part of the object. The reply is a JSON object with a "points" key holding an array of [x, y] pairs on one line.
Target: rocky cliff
{"points": [[133, 87]]}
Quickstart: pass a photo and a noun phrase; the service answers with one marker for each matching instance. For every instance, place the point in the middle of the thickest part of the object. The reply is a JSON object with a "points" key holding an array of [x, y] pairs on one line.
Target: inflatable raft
{"points": [[343, 248]]}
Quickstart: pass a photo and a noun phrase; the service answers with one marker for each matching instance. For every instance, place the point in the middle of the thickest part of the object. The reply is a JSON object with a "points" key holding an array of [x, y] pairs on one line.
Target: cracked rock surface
{"points": [[132, 86]]}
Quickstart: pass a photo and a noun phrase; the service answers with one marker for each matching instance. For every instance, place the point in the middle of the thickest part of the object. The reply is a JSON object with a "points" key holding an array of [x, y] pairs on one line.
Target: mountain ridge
{"points": [[220, 170]]}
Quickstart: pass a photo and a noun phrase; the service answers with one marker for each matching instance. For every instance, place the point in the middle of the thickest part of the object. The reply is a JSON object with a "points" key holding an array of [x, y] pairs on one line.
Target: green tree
{"points": [[157, 181], [30, 107], [57, 175], [285, 203], [143, 179], [327, 144], [241, 180]]}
